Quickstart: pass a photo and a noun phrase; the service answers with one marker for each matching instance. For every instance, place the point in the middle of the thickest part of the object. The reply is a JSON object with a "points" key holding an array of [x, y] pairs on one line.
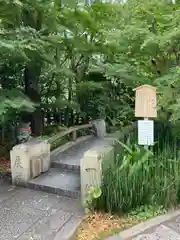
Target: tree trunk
{"points": [[31, 75], [33, 18]]}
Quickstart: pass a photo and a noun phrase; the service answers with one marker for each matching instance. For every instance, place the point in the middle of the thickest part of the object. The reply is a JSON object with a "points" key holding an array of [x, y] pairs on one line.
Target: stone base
{"points": [[28, 160]]}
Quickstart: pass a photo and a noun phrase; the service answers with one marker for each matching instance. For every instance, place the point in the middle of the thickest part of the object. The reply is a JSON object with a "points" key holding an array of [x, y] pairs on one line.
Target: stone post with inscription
{"points": [[28, 160], [92, 165]]}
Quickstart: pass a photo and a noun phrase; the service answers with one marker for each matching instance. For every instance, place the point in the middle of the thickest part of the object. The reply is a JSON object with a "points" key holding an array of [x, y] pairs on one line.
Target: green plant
{"points": [[94, 193], [51, 130], [145, 212], [58, 142], [141, 177]]}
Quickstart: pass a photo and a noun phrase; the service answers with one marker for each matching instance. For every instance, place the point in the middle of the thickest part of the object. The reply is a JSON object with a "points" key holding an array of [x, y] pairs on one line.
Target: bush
{"points": [[53, 129], [141, 177]]}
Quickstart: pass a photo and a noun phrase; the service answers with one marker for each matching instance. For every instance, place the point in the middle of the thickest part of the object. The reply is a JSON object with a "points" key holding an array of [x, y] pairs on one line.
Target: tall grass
{"points": [[141, 177]]}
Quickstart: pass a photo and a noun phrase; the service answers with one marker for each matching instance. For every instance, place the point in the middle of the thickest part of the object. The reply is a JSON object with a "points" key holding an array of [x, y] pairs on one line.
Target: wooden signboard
{"points": [[145, 102]]}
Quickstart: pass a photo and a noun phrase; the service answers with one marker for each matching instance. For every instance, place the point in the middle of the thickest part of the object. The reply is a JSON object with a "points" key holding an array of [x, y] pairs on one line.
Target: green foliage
{"points": [[87, 60], [145, 212], [141, 177], [94, 193], [149, 44], [52, 130], [61, 46], [51, 134], [13, 101]]}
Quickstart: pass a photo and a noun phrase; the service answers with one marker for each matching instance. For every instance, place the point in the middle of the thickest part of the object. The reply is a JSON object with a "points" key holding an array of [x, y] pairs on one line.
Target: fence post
{"points": [[74, 135], [100, 126]]}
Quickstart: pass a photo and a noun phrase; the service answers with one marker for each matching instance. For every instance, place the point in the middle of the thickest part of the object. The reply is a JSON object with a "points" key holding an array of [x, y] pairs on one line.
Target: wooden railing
{"points": [[70, 130]]}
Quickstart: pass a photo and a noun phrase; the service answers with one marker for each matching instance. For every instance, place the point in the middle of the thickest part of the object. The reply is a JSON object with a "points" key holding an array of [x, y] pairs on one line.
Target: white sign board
{"points": [[146, 132]]}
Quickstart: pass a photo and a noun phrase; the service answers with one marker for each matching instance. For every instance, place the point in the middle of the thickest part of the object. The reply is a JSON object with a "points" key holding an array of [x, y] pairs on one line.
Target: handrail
{"points": [[68, 131]]}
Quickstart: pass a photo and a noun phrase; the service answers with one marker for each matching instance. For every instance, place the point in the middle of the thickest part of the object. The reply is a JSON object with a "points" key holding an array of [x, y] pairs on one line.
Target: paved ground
{"points": [[165, 227], [33, 215]]}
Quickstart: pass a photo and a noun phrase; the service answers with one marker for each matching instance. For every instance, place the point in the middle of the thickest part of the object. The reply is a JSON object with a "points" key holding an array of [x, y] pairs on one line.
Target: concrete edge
{"points": [[103, 149], [74, 230], [70, 144], [141, 227], [68, 231]]}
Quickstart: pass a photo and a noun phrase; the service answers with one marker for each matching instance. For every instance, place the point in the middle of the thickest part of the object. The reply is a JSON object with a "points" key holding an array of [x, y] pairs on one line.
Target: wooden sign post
{"points": [[145, 107]]}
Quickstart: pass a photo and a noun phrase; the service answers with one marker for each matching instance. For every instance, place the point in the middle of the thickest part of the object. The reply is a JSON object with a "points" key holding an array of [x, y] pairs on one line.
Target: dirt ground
{"points": [[100, 225], [5, 168]]}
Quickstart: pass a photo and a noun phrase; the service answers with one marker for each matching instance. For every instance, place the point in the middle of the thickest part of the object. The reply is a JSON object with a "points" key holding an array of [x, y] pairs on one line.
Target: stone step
{"points": [[66, 166], [70, 158], [57, 181]]}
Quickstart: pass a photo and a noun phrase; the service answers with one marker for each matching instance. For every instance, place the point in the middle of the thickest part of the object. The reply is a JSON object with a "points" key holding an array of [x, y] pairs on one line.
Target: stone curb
{"points": [[140, 228], [69, 230]]}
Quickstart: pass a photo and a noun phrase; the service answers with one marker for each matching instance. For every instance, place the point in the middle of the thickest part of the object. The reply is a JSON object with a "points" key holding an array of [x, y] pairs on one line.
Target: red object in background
{"points": [[26, 129]]}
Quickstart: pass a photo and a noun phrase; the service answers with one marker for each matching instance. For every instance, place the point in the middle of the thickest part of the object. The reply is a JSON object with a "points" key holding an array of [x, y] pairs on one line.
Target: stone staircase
{"points": [[59, 171], [63, 178]]}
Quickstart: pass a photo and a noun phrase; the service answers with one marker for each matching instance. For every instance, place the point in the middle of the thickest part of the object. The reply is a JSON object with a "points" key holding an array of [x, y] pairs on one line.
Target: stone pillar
{"points": [[28, 160], [92, 165], [100, 126], [20, 165]]}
